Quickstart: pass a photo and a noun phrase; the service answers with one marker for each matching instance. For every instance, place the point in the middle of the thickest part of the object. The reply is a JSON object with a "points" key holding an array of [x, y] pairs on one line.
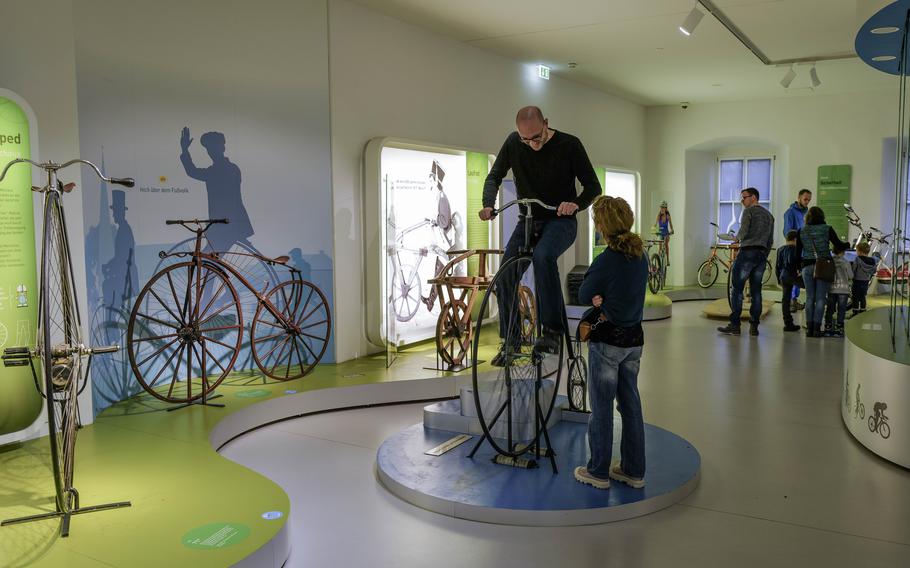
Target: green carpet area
{"points": [[871, 332], [163, 463]]}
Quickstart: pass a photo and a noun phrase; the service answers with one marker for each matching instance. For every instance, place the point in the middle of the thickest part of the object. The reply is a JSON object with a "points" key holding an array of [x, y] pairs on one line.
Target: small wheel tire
{"points": [[707, 274], [295, 322], [654, 273], [578, 383], [453, 335], [405, 296], [884, 430]]}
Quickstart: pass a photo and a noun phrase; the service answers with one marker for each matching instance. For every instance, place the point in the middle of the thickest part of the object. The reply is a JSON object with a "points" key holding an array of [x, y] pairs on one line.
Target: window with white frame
{"points": [[617, 183], [734, 175]]}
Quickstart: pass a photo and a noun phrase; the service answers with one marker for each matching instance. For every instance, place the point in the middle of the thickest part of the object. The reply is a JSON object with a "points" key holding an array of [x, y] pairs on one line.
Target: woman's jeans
{"points": [[613, 374], [816, 295]]}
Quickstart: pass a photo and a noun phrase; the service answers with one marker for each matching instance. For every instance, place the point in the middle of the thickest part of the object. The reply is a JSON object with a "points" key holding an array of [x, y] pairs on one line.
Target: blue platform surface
{"points": [[477, 488]]}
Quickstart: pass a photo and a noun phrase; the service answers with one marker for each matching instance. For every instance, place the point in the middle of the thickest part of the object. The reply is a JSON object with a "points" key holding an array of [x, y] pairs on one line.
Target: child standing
{"points": [[787, 267], [840, 291], [863, 271], [615, 283]]}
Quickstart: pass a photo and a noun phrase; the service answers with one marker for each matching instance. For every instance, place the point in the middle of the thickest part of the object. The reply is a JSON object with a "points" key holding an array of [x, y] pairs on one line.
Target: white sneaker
{"points": [[617, 473], [582, 475]]}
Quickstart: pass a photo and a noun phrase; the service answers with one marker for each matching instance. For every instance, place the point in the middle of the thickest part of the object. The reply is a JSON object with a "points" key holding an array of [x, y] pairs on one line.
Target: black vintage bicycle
{"points": [[515, 402], [59, 351], [186, 328]]}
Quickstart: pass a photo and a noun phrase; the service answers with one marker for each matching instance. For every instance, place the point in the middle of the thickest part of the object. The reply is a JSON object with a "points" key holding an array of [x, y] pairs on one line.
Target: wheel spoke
{"points": [[156, 320], [155, 354], [164, 305], [154, 338]]}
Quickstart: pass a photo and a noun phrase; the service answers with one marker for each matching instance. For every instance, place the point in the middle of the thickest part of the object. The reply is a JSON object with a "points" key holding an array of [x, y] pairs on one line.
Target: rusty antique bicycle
{"points": [[186, 327]]}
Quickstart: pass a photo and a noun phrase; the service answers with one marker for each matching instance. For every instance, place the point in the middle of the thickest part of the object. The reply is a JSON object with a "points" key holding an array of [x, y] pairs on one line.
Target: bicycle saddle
{"points": [[283, 259]]}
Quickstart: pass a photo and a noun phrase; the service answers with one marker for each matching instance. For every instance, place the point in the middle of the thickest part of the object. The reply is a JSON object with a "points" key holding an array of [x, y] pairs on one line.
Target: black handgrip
{"points": [[172, 222], [217, 221], [125, 182], [105, 349], [15, 351]]}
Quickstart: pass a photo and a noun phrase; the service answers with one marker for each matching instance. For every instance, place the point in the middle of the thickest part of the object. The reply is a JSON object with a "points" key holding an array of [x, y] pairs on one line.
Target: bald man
{"points": [[544, 164]]}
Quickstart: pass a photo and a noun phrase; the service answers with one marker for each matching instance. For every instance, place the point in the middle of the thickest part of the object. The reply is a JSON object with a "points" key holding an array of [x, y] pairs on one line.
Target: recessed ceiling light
{"points": [[885, 30], [717, 84], [572, 65], [691, 21], [884, 58]]}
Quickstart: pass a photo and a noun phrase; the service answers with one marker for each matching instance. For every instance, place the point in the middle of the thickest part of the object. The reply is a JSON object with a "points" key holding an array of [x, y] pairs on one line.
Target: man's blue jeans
{"points": [[748, 266], [816, 295], [550, 238], [613, 374]]}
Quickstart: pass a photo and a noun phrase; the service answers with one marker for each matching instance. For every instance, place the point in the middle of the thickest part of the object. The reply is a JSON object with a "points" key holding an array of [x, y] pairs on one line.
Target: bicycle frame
{"points": [[199, 257]]}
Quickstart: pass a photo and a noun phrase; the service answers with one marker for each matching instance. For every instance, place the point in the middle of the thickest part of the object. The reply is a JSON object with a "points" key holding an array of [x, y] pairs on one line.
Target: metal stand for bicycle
{"points": [[18, 357]]}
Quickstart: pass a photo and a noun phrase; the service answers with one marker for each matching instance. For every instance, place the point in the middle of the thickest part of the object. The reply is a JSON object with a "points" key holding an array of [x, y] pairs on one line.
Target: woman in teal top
{"points": [[811, 244]]}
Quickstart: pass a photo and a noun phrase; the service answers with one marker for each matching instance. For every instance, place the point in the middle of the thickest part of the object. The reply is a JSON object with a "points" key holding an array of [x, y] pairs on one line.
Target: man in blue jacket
{"points": [[794, 219]]}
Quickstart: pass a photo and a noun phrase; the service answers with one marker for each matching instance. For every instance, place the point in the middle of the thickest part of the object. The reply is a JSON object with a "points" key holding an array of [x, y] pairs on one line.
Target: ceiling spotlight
{"points": [[788, 78], [813, 76], [695, 16]]}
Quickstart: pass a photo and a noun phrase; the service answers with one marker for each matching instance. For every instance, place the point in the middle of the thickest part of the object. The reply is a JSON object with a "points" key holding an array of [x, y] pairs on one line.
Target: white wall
{"points": [[805, 132], [389, 78], [40, 68]]}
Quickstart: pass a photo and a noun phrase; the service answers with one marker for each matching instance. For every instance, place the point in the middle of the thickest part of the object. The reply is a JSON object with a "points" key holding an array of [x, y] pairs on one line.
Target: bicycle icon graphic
{"points": [[878, 422]]}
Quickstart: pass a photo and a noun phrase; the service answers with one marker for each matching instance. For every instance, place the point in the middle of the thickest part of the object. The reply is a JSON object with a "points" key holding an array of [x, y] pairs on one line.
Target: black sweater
{"points": [[547, 174]]}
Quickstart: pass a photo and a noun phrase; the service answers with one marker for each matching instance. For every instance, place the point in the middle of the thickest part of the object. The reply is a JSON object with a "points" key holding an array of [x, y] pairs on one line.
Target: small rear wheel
{"points": [[453, 333], [578, 384], [291, 330], [707, 273]]}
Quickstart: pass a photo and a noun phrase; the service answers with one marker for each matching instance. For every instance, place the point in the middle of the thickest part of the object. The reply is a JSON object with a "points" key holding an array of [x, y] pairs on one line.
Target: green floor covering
{"points": [[163, 463]]}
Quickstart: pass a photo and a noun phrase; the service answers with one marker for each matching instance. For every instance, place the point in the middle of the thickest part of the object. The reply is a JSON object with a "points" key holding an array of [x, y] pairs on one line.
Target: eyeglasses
{"points": [[745, 197], [536, 139]]}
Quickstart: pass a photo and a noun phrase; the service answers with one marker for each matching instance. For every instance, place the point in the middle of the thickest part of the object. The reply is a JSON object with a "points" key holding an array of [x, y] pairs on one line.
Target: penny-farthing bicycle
{"points": [[186, 327], [59, 350], [514, 402]]}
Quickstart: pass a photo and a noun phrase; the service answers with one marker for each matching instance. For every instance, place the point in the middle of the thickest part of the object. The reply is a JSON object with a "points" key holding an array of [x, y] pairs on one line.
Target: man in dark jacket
{"points": [[794, 219], [755, 237], [545, 164]]}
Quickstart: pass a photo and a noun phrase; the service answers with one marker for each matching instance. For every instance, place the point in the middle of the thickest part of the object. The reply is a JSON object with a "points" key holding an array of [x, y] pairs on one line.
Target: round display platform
{"points": [[478, 489], [657, 306]]}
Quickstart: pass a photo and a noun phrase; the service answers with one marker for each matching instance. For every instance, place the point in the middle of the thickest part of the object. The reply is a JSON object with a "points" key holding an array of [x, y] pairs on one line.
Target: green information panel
{"points": [[20, 403], [598, 244], [215, 535], [478, 232], [833, 191]]}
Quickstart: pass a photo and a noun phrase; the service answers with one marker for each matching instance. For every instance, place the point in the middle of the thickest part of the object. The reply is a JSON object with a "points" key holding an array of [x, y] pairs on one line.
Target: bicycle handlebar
{"points": [[50, 167], [524, 202], [196, 221]]}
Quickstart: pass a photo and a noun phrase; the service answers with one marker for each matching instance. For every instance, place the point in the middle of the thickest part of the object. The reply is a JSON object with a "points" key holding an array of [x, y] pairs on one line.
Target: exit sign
{"points": [[543, 72]]}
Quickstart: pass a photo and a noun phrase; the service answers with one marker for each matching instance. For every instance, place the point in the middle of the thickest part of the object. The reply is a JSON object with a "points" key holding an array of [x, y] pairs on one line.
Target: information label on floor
{"points": [[833, 192], [215, 535]]}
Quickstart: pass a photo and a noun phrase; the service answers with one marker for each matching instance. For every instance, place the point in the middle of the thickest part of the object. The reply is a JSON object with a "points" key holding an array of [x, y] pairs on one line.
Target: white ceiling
{"points": [[633, 48]]}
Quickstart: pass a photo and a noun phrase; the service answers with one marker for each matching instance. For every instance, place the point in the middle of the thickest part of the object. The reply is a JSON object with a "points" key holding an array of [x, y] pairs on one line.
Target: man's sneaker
{"points": [[548, 342], [791, 327], [582, 475], [617, 473], [753, 329], [729, 329]]}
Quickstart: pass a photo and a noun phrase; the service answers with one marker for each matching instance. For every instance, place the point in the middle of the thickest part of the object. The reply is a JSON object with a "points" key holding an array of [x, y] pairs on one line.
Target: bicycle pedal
{"points": [[15, 351], [15, 362]]}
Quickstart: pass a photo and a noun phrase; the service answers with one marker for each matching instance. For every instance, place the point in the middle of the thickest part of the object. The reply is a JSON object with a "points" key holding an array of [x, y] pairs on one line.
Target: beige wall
{"points": [[804, 132], [389, 78]]}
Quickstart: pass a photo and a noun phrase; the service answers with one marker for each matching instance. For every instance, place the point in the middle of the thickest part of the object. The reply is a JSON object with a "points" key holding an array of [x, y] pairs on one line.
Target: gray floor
{"points": [[783, 483]]}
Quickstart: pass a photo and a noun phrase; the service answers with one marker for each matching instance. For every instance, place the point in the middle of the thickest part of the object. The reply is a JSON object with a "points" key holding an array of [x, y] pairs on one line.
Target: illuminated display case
{"points": [[421, 200]]}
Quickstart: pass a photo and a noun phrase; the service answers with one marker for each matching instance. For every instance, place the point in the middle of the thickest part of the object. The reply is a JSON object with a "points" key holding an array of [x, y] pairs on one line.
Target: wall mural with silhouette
{"points": [[207, 131]]}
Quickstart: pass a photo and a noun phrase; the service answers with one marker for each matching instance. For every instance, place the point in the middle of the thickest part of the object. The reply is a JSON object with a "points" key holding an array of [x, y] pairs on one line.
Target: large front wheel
{"points": [[184, 332], [291, 330], [514, 399], [655, 271]]}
